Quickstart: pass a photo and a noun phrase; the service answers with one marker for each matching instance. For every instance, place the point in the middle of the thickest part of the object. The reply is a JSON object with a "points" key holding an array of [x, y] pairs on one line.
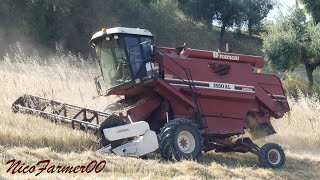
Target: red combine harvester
{"points": [[182, 101]]}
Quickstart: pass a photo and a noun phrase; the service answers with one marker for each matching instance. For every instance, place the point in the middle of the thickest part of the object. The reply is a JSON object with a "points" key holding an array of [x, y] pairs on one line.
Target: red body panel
{"points": [[143, 109], [256, 61], [225, 109], [226, 96]]}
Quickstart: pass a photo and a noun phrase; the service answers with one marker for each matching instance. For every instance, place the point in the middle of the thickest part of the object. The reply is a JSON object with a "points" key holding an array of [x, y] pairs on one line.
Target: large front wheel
{"points": [[180, 139]]}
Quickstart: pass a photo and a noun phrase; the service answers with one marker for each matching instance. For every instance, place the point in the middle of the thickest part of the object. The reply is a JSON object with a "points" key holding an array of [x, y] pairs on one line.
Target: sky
{"points": [[283, 6]]}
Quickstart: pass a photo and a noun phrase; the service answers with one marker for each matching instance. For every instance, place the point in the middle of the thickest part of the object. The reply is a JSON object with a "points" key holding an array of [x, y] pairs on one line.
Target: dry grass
{"points": [[300, 130], [68, 78], [211, 166]]}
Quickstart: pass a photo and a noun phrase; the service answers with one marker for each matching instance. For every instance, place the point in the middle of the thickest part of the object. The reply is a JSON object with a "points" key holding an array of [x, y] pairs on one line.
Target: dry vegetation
{"points": [[68, 78]]}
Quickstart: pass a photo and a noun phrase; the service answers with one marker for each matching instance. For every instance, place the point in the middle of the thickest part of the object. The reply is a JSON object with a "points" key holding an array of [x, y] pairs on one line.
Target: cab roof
{"points": [[120, 30]]}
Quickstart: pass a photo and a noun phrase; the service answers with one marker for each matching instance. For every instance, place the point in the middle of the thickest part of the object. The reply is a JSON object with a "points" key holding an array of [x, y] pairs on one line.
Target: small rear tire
{"points": [[271, 155], [180, 139]]}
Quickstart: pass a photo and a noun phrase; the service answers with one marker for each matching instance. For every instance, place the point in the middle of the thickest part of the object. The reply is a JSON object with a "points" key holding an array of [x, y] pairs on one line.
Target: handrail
{"points": [[192, 88], [189, 82]]}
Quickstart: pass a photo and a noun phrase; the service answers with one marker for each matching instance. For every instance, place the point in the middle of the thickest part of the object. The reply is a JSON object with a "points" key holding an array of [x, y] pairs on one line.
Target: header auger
{"points": [[182, 101]]}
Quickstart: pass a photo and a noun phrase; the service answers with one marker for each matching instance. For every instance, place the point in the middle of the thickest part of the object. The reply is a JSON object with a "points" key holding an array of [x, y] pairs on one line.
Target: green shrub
{"points": [[293, 83]]}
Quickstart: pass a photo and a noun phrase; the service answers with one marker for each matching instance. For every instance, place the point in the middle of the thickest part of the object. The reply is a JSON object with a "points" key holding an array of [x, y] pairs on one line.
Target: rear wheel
{"points": [[271, 156], [180, 139]]}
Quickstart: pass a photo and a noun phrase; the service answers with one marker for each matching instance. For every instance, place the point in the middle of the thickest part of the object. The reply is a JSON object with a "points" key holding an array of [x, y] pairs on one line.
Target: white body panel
{"points": [[106, 149], [139, 147], [123, 30], [146, 142], [126, 131]]}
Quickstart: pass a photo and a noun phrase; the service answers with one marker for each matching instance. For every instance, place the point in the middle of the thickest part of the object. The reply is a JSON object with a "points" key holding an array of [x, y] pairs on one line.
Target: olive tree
{"points": [[254, 11], [292, 41], [312, 7]]}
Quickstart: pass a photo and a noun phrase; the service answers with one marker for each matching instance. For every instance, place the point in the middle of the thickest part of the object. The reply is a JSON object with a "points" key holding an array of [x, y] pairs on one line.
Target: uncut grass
{"points": [[69, 78], [65, 78], [300, 129]]}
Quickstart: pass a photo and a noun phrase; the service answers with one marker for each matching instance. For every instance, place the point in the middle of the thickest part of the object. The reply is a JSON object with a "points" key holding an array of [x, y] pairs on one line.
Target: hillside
{"points": [[68, 78], [73, 22]]}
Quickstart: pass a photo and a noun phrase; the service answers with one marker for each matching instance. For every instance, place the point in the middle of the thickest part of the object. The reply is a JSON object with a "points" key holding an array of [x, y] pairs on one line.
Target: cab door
{"points": [[138, 55]]}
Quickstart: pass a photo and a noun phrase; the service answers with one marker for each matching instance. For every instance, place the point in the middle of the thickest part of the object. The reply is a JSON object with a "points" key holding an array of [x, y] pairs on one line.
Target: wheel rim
{"points": [[274, 156], [186, 142]]}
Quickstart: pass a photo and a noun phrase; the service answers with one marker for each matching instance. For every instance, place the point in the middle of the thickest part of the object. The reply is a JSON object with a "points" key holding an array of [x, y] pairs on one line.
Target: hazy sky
{"points": [[283, 7]]}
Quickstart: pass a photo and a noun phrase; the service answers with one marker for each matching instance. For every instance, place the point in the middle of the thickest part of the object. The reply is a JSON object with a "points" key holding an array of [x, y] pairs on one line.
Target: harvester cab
{"points": [[124, 54], [180, 100]]}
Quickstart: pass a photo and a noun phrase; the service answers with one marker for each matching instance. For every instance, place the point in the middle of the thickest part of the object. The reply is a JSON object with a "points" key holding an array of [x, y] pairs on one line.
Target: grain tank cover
{"points": [[255, 61]]}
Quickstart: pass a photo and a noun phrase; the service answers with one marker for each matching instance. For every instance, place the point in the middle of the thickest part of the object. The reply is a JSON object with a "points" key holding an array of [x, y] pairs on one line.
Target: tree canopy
{"points": [[228, 13], [254, 11], [292, 41], [312, 7], [71, 23]]}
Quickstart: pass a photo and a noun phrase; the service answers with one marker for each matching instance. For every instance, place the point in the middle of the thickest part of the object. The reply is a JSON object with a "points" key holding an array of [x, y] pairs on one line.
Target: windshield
{"points": [[113, 64]]}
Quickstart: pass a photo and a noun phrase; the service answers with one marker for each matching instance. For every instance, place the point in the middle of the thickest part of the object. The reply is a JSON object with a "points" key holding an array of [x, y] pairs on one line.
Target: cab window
{"points": [[134, 53]]}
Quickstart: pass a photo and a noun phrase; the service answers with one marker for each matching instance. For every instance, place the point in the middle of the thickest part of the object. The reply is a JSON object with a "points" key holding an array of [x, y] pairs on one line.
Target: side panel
{"points": [[226, 96], [181, 104], [270, 93], [220, 125], [225, 100], [226, 104], [143, 109]]}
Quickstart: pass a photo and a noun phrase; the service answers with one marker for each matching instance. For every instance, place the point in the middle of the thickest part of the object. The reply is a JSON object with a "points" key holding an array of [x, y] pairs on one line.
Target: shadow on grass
{"points": [[294, 163]]}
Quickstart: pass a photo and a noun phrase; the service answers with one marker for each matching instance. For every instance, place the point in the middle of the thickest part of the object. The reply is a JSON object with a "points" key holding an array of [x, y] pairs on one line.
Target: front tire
{"points": [[271, 155], [180, 139]]}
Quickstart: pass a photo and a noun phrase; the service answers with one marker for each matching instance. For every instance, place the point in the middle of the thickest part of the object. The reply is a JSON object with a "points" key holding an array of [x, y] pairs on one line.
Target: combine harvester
{"points": [[182, 101]]}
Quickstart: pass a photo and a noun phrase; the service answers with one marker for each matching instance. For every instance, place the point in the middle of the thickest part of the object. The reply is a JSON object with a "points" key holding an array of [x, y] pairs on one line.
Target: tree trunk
{"points": [[222, 31], [250, 30], [310, 70]]}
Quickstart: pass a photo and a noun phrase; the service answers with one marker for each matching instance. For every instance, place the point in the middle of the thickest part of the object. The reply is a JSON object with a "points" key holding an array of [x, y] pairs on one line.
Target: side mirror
{"points": [[151, 49]]}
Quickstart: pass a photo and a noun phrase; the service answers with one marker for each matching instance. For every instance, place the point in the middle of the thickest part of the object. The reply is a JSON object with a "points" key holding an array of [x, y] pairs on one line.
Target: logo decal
{"points": [[122, 130], [216, 55], [213, 85], [221, 86]]}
